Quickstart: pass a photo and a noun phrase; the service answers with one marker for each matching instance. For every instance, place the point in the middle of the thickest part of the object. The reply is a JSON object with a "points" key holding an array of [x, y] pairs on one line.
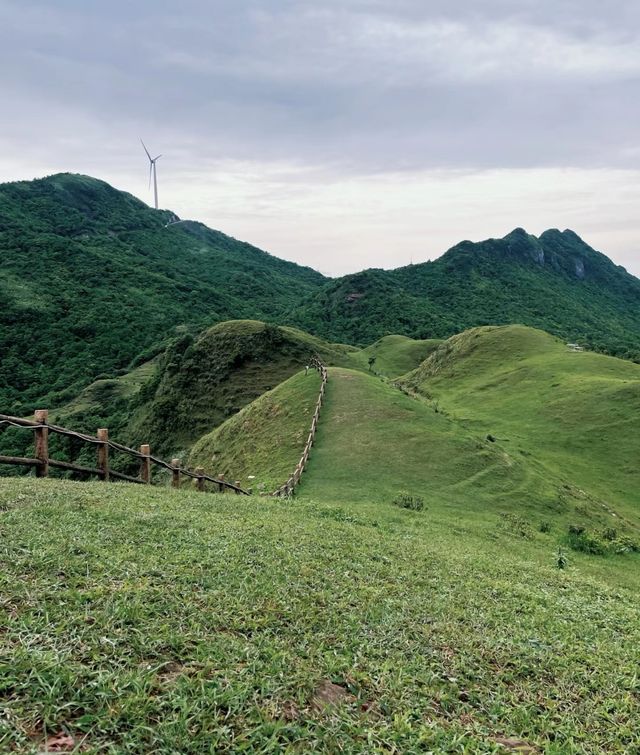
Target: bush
{"points": [[545, 527], [408, 501], [586, 542], [604, 543]]}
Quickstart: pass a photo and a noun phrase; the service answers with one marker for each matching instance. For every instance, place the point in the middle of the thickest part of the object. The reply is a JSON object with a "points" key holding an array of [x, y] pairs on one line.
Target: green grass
{"points": [[145, 620], [574, 414], [394, 355], [151, 620], [374, 441], [261, 445]]}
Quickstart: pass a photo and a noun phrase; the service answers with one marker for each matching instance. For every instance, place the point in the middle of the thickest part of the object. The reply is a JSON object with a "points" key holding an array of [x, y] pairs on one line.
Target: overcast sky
{"points": [[341, 134]]}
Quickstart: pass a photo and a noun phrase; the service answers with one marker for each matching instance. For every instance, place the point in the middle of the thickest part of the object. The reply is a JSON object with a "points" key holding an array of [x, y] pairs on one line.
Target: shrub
{"points": [[604, 543], [408, 501], [545, 527]]}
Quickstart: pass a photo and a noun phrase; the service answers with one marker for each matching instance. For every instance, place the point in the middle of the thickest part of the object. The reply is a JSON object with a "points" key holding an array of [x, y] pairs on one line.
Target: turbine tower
{"points": [[152, 173]]}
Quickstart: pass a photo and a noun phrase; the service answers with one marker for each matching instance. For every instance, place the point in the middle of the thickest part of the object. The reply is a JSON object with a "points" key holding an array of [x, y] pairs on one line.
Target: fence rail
{"points": [[41, 461], [292, 483]]}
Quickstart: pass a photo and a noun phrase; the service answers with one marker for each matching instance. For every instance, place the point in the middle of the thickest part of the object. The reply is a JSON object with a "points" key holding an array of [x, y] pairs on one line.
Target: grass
{"points": [[575, 414], [373, 441], [261, 445], [148, 620], [394, 355]]}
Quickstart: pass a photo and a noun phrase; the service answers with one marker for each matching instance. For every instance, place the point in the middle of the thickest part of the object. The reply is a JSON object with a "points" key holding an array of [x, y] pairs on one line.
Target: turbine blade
{"points": [[150, 172], [145, 149], [157, 158]]}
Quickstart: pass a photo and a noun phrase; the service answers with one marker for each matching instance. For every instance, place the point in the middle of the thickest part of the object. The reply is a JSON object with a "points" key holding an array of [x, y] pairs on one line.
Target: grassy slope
{"points": [[574, 413], [194, 386], [221, 371], [394, 355], [374, 441], [144, 620], [264, 440], [198, 383]]}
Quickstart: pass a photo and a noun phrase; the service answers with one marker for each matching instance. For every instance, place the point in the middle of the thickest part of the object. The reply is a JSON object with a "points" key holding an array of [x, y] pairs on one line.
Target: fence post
{"points": [[145, 464], [200, 479], [175, 473], [237, 484], [103, 452], [221, 485], [42, 442]]}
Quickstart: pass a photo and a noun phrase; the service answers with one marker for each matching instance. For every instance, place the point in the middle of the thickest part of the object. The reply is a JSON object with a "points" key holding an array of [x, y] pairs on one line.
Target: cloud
{"points": [[351, 103]]}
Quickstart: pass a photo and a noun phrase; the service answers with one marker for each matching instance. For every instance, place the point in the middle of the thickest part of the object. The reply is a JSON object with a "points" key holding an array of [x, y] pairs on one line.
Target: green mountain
{"points": [[93, 282], [90, 277], [555, 282]]}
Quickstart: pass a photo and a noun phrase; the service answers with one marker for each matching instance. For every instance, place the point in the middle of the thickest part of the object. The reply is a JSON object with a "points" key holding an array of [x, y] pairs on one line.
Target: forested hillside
{"points": [[555, 282], [91, 276]]}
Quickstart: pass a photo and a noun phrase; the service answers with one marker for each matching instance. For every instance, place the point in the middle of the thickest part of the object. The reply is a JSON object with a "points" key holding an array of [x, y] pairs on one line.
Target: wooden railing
{"points": [[291, 484], [42, 461]]}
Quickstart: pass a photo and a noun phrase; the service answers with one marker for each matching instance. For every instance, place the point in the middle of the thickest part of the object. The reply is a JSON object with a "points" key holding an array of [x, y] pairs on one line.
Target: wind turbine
{"points": [[152, 172]]}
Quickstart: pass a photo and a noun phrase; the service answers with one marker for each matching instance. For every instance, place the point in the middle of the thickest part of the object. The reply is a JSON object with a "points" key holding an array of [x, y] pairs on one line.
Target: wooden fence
{"points": [[291, 484], [42, 461]]}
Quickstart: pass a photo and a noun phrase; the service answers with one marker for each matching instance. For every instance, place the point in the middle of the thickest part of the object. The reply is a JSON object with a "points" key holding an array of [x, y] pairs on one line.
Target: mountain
{"points": [[93, 282], [555, 282], [90, 277]]}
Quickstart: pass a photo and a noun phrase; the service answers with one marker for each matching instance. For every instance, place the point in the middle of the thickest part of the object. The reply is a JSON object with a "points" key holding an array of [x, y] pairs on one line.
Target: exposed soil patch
{"points": [[328, 694]]}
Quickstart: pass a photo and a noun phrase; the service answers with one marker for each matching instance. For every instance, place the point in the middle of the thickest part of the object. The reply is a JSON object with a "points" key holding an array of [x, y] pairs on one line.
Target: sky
{"points": [[341, 134]]}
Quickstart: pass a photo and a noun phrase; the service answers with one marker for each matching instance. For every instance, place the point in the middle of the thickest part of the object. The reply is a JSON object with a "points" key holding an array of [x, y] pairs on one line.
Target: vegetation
{"points": [[143, 620], [90, 277], [572, 414], [261, 445], [555, 282], [392, 356], [93, 282], [191, 388], [409, 501]]}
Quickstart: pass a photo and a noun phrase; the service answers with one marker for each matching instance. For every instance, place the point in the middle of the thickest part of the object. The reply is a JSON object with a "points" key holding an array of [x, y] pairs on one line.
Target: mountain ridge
{"points": [[555, 282], [91, 278]]}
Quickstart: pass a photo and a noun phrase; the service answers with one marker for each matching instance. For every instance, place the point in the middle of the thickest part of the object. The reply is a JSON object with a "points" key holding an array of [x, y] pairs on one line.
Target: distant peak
{"points": [[518, 233]]}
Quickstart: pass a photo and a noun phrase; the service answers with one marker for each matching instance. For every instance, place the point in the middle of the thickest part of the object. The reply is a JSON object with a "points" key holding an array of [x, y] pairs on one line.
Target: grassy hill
{"points": [[574, 413], [261, 445], [141, 619], [90, 277], [555, 282], [144, 620], [201, 381], [394, 355]]}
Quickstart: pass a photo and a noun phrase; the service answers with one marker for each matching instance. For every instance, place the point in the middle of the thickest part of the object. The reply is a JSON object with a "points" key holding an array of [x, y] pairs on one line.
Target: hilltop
{"points": [[555, 282], [90, 277], [496, 416], [574, 413]]}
